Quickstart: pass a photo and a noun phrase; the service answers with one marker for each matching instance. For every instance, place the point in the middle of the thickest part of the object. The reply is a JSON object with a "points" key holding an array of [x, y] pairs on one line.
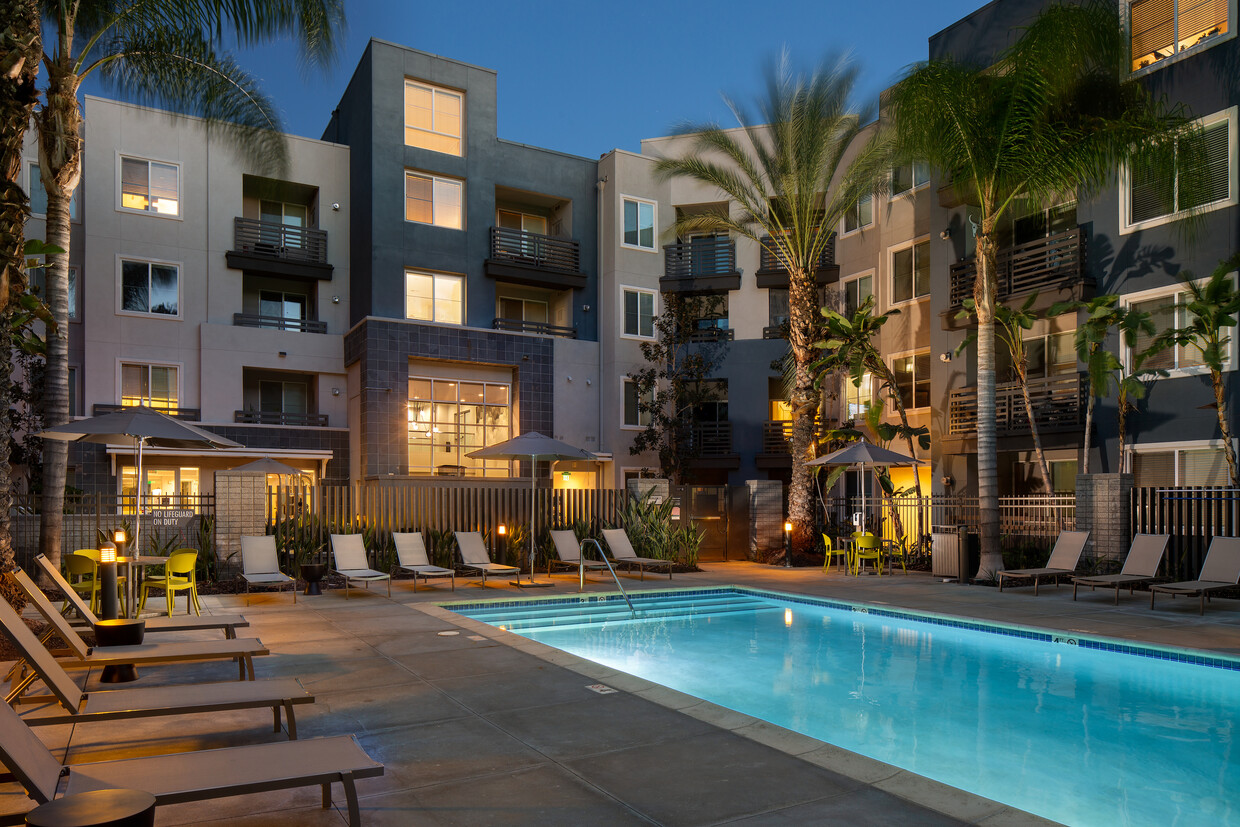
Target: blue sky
{"points": [[586, 77]]}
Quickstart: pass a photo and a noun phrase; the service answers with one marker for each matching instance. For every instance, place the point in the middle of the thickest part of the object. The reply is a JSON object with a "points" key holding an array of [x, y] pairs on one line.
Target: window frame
{"points": [[844, 231], [654, 304], [871, 274], [121, 157], [436, 275], [1181, 54], [913, 354], [31, 181], [891, 272], [120, 288], [459, 379], [859, 391], [914, 186], [75, 284], [654, 225], [434, 179], [121, 363], [1175, 448], [434, 90], [1169, 292], [625, 425], [1127, 226]]}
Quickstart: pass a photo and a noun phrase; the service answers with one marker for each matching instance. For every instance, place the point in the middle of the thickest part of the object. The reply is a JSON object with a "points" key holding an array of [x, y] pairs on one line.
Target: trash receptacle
{"points": [[944, 550]]}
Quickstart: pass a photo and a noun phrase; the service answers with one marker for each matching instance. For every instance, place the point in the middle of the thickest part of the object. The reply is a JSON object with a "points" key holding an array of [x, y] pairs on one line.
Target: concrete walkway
{"points": [[473, 730]]}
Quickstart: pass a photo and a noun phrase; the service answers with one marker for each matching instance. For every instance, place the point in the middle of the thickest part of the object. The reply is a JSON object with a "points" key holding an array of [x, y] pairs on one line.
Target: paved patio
{"points": [[473, 730]]}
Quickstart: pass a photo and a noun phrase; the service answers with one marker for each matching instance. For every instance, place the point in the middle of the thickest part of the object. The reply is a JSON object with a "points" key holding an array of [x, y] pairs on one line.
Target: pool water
{"points": [[1083, 731]]}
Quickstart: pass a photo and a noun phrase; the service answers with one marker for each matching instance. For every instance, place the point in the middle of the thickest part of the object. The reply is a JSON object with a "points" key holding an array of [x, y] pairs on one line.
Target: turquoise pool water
{"points": [[1084, 731]]}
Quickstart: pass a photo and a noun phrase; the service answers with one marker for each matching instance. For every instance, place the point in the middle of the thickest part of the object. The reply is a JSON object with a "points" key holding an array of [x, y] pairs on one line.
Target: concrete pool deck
{"points": [[484, 727]]}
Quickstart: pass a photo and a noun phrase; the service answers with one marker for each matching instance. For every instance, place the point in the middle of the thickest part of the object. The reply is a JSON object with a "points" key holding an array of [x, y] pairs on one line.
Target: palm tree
{"points": [[1056, 113], [20, 50], [785, 176], [164, 52]]}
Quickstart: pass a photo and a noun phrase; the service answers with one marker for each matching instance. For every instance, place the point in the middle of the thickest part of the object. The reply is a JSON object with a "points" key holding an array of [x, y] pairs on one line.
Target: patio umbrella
{"points": [[267, 465], [143, 426], [537, 447], [863, 455]]}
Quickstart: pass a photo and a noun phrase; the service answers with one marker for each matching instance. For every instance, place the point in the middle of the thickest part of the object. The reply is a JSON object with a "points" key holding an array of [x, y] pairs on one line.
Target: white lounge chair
{"points": [[259, 566], [1064, 557], [568, 554], [474, 556], [1140, 566], [349, 557], [622, 552], [1221, 570], [411, 557]]}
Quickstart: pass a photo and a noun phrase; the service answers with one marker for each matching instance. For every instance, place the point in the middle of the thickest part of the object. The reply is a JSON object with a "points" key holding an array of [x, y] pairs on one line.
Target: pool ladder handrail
{"points": [[581, 570]]}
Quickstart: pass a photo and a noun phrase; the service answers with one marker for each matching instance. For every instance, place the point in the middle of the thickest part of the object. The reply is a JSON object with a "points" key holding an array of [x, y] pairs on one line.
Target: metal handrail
{"points": [[581, 570]]}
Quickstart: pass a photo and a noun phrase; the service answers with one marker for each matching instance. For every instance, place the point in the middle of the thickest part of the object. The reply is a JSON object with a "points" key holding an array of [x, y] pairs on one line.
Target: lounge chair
{"points": [[191, 776], [622, 552], [1221, 570], [187, 623], [259, 566], [1064, 557], [474, 556], [1140, 566], [568, 554], [411, 557], [241, 650], [145, 702], [349, 558]]}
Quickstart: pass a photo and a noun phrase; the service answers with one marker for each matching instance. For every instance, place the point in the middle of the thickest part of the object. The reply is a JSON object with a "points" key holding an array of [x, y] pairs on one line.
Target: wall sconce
{"points": [[946, 234], [335, 300], [282, 353], [948, 482], [336, 207], [501, 530], [585, 308], [335, 391], [945, 357]]}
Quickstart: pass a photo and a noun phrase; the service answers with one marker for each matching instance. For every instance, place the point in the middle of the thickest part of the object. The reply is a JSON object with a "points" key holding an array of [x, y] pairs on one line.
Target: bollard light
{"points": [[109, 603], [787, 544], [107, 554], [502, 530]]}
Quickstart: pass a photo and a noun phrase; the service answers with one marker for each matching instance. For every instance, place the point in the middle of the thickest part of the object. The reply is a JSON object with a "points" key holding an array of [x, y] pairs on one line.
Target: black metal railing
{"points": [[777, 437], [540, 328], [1058, 405], [188, 414], [711, 333], [280, 418], [775, 331], [535, 250], [708, 439], [1038, 265], [769, 263], [279, 323], [279, 242], [699, 258]]}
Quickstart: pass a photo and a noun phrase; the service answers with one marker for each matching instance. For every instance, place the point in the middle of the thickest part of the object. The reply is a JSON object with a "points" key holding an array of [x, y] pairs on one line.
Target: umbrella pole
{"points": [[137, 518], [533, 511]]}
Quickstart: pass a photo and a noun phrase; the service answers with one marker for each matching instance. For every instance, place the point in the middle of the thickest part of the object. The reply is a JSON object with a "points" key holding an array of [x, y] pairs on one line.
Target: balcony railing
{"points": [[188, 414], [540, 328], [1043, 264], [534, 250], [775, 331], [280, 418], [711, 333], [772, 273], [777, 437], [708, 439], [279, 323], [700, 258], [279, 242], [1058, 405]]}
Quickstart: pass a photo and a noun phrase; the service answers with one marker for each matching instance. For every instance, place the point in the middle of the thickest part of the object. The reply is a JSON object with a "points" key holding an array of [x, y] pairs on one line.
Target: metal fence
{"points": [[1192, 515]]}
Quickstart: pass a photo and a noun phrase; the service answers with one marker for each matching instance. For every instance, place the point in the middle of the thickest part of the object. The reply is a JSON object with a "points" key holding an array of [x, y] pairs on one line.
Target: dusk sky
{"points": [[586, 77]]}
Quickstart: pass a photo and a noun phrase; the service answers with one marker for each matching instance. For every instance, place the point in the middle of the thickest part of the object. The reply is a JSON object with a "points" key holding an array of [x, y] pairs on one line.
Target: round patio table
{"points": [[98, 808], [121, 632]]}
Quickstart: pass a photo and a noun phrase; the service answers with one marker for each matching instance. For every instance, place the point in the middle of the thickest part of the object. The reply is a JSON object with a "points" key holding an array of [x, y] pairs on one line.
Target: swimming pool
{"points": [[1081, 730]]}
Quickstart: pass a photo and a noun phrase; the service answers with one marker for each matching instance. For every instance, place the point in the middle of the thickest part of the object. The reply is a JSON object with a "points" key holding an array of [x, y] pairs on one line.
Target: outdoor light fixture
{"points": [[335, 391], [501, 530], [946, 234], [107, 554], [109, 603], [787, 544], [945, 357]]}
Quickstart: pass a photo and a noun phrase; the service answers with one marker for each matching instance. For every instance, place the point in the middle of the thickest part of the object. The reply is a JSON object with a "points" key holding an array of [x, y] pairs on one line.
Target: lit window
{"points": [[908, 177], [154, 386], [434, 297], [636, 405], [147, 287], [450, 418], [912, 375], [1161, 28], [857, 398], [639, 313], [910, 273], [433, 117], [861, 215], [430, 199], [639, 224], [149, 186], [856, 292], [1151, 200]]}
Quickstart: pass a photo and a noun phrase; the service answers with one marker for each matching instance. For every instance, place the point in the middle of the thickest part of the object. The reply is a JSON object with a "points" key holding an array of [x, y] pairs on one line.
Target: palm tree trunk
{"points": [[60, 160], [802, 309], [1043, 465], [1089, 425], [1122, 419], [1220, 403], [984, 297]]}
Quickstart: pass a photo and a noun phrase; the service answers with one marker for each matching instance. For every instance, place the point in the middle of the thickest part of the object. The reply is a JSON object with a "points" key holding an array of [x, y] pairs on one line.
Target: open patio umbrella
{"points": [[267, 465], [864, 454], [537, 447], [143, 426]]}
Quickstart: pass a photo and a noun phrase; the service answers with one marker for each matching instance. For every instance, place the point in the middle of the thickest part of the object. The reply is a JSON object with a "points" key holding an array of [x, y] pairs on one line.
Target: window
{"points": [[75, 396], [38, 283], [636, 406], [434, 297], [861, 215], [1149, 200], [1185, 463], [284, 397], [276, 215], [778, 313], [912, 375], [639, 224], [857, 398], [711, 407], [639, 313], [163, 485], [154, 386], [1045, 357], [910, 273], [433, 117], [856, 291], [149, 186], [908, 177], [1162, 28], [430, 199], [450, 418], [275, 304], [523, 310], [38, 194], [709, 316], [150, 288], [1168, 308]]}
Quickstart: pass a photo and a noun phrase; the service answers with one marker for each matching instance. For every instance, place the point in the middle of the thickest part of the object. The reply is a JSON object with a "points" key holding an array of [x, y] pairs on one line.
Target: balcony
{"points": [[268, 248], [534, 260], [700, 265], [775, 331], [188, 414], [707, 331], [772, 273], [1053, 267], [538, 328], [1058, 407], [279, 323], [710, 444], [280, 418]]}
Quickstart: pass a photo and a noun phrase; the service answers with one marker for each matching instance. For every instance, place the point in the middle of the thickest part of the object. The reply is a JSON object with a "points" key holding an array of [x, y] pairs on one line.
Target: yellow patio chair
{"points": [[898, 548], [830, 551], [81, 574], [867, 547], [180, 575], [93, 555]]}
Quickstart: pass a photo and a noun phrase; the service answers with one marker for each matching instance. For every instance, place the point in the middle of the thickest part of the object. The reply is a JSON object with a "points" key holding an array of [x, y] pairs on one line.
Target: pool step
{"points": [[532, 619]]}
